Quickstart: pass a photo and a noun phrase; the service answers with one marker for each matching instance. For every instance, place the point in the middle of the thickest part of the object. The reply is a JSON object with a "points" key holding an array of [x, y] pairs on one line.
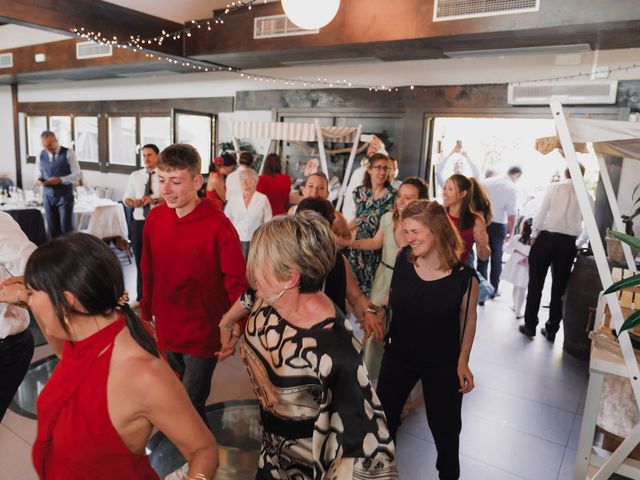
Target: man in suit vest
{"points": [[58, 171]]}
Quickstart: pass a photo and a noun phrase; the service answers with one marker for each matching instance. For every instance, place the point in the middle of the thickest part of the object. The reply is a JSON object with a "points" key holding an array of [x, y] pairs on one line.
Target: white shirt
{"points": [[232, 182], [559, 211], [135, 189], [71, 179], [349, 206], [503, 195], [15, 250], [248, 219]]}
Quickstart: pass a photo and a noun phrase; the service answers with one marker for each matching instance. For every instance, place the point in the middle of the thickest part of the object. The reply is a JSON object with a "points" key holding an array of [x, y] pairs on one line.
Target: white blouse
{"points": [[15, 250], [248, 219]]}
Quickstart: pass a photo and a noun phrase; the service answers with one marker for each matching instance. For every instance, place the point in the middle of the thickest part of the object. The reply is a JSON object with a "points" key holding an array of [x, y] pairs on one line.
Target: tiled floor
{"points": [[521, 422]]}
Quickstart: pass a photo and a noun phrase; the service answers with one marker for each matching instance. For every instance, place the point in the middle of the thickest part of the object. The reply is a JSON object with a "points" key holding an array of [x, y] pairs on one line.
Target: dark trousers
{"points": [[195, 373], [245, 249], [16, 352], [442, 401], [558, 251], [497, 233], [136, 239], [58, 210]]}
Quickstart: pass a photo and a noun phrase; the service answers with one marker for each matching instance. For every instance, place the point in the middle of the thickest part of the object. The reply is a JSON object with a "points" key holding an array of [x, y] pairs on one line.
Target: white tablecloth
{"points": [[100, 217]]}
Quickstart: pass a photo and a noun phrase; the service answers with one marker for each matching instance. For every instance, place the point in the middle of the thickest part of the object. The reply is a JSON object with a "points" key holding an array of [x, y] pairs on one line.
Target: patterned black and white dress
{"points": [[321, 418]]}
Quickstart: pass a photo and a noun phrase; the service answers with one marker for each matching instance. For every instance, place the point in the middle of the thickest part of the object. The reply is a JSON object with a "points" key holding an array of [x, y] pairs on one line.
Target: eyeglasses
{"points": [[381, 168]]}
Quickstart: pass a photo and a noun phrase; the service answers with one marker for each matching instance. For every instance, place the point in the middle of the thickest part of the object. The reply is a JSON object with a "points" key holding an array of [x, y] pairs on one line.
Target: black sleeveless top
{"points": [[425, 320], [335, 286]]}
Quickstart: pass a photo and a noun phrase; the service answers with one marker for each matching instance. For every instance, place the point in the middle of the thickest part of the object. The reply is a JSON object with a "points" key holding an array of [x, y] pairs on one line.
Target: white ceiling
{"points": [[14, 36], [178, 11]]}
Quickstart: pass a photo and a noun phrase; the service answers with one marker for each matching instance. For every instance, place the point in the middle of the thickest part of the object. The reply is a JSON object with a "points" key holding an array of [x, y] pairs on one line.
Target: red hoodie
{"points": [[192, 271]]}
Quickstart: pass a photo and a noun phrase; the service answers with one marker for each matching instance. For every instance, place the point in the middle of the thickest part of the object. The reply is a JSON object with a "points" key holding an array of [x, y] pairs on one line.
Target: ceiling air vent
{"points": [[6, 60], [277, 26], [85, 50], [445, 10], [569, 93]]}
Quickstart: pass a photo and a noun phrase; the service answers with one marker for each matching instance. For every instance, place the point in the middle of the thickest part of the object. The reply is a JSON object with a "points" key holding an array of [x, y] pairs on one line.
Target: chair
{"points": [[108, 222]]}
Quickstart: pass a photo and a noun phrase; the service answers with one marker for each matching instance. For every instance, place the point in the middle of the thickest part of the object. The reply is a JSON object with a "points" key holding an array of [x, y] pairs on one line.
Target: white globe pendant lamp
{"points": [[310, 14]]}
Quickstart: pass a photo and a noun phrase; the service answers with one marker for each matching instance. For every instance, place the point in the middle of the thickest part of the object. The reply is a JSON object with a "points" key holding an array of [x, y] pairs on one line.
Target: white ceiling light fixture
{"points": [[310, 14]]}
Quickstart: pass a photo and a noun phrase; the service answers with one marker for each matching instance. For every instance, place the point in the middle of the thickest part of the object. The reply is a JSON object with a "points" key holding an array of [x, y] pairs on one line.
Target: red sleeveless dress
{"points": [[76, 439], [213, 195], [466, 236]]}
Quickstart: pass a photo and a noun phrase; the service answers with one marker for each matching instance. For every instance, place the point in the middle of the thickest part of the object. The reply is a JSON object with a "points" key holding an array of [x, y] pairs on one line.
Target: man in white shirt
{"points": [[553, 243], [142, 194], [232, 182], [57, 170], [504, 196], [16, 341]]}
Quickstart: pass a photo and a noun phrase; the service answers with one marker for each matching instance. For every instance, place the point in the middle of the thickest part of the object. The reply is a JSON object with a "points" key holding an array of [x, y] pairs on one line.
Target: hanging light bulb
{"points": [[310, 14]]}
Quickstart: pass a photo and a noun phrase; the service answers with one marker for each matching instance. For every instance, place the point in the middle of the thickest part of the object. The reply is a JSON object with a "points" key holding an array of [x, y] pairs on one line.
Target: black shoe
{"points": [[548, 335], [527, 331]]}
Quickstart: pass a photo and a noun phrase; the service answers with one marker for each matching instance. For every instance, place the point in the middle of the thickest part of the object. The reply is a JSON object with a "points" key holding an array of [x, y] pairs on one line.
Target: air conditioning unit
{"points": [[589, 92], [275, 26], [85, 50], [6, 60]]}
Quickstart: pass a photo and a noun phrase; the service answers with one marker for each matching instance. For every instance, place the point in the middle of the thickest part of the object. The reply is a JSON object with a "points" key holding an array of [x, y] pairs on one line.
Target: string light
{"points": [[136, 43]]}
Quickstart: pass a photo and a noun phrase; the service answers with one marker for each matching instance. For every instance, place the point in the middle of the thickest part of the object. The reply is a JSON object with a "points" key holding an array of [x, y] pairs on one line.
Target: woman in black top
{"points": [[433, 300]]}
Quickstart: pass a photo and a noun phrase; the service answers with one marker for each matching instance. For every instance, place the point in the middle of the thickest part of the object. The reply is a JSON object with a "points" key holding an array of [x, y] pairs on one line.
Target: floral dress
{"points": [[369, 210], [321, 418]]}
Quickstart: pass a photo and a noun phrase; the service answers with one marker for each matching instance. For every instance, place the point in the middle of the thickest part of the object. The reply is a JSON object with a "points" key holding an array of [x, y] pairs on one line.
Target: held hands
{"points": [[465, 376], [13, 291], [228, 341], [374, 324]]}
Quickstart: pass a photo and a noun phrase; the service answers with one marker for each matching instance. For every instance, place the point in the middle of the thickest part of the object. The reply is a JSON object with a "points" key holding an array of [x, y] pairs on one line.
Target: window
{"points": [[35, 126], [156, 130], [123, 148], [61, 126], [197, 129], [86, 139]]}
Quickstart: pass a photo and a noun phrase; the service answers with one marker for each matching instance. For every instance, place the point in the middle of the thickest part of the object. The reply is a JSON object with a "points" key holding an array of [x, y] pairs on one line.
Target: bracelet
{"points": [[371, 308], [225, 327], [196, 476]]}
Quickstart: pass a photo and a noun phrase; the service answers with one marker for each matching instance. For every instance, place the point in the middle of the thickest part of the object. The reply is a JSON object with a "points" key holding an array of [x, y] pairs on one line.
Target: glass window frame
{"points": [[214, 131]]}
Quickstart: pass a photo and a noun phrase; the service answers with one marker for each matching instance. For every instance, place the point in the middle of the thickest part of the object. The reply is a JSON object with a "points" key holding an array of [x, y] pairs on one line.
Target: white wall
{"points": [[7, 156]]}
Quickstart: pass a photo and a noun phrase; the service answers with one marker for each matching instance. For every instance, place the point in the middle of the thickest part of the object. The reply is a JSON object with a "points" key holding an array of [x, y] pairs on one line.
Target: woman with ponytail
{"points": [[462, 197], [111, 387]]}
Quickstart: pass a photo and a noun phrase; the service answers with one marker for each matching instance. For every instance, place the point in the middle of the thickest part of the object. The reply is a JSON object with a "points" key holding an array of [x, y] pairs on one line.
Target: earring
{"points": [[65, 319]]}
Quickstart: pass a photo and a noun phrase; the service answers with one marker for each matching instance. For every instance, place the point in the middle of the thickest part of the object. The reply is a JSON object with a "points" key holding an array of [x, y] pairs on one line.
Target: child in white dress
{"points": [[516, 270]]}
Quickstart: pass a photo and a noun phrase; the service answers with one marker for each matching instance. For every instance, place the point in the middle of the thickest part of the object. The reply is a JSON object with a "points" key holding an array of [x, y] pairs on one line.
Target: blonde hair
{"points": [[447, 239], [301, 243]]}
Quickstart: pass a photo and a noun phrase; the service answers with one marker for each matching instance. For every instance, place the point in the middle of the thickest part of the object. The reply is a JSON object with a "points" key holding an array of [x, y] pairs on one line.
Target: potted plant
{"points": [[614, 247], [634, 318]]}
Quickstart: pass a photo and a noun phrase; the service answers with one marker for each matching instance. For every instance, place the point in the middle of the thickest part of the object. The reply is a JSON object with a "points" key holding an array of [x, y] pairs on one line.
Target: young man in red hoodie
{"points": [[192, 271]]}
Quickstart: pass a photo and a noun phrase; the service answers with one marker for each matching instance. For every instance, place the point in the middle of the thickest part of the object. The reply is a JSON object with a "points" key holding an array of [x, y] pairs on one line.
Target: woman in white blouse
{"points": [[249, 210]]}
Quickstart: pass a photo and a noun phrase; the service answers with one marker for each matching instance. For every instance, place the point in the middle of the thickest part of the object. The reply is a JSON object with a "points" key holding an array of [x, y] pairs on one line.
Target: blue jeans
{"points": [[195, 373], [497, 233]]}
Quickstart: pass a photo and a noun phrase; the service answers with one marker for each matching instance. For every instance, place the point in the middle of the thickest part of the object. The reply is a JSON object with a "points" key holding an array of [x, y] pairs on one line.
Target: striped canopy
{"points": [[300, 132]]}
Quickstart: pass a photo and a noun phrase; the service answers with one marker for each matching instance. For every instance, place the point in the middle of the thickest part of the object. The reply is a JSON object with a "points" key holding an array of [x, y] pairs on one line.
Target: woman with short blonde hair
{"points": [[319, 413]]}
